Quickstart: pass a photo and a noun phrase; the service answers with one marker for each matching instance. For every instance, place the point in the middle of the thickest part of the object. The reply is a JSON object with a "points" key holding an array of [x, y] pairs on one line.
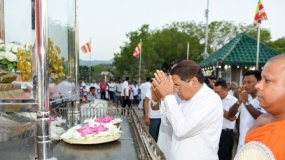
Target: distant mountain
{"points": [[94, 62]]}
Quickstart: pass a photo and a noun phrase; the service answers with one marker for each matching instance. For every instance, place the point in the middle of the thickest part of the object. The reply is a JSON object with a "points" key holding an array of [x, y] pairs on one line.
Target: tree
{"points": [[96, 72], [125, 63], [170, 44], [161, 47], [84, 73], [265, 35], [278, 44], [221, 32]]}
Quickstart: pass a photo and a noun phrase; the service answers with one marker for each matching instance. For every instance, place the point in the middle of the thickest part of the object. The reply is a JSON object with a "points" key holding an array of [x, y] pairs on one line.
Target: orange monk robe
{"points": [[273, 136]]}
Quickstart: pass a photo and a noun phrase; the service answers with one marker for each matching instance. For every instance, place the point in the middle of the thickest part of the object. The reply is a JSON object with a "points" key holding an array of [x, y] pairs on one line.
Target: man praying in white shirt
{"points": [[233, 86], [249, 107], [197, 120]]}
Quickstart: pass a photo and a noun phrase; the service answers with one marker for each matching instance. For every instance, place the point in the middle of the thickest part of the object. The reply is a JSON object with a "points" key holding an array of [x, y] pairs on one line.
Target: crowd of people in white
{"points": [[116, 91], [127, 93], [189, 116]]}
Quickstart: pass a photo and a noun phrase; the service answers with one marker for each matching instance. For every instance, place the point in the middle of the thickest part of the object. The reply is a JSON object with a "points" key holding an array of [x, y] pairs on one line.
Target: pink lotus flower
{"points": [[101, 128], [106, 119], [86, 129]]}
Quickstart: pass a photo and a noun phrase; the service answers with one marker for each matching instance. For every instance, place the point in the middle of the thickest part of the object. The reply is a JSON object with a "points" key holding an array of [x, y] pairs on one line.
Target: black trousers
{"points": [[226, 145], [112, 95], [103, 95], [154, 127], [126, 102], [119, 99]]}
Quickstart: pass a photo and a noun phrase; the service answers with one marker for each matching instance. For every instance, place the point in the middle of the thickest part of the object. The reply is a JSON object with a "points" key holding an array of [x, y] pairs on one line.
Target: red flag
{"points": [[86, 47], [260, 14], [137, 51]]}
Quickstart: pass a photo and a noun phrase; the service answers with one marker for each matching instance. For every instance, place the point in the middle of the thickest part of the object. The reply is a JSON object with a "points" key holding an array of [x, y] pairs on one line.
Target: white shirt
{"points": [[135, 89], [197, 125], [151, 113], [72, 86], [228, 102], [144, 88], [125, 86], [97, 87], [131, 93], [93, 84], [165, 133], [118, 89], [64, 88], [246, 120], [231, 92], [165, 130], [111, 87]]}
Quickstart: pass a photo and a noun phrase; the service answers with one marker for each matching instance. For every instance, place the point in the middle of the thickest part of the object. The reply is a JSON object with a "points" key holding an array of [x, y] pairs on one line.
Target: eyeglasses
{"points": [[181, 84]]}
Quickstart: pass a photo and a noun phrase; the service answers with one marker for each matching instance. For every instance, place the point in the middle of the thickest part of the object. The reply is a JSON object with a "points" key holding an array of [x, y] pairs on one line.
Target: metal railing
{"points": [[146, 146]]}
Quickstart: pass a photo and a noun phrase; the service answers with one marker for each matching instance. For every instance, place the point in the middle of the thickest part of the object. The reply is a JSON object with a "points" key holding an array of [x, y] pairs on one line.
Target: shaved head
{"points": [[280, 57], [271, 89], [278, 64]]}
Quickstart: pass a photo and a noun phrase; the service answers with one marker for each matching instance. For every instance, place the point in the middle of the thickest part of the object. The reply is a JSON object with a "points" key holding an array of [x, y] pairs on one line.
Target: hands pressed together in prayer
{"points": [[243, 95], [163, 84]]}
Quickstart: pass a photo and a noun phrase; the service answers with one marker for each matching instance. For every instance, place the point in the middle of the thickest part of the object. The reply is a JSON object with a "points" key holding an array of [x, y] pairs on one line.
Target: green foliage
{"points": [[96, 72], [7, 65], [278, 44], [162, 46], [126, 64], [265, 35], [221, 32], [84, 73]]}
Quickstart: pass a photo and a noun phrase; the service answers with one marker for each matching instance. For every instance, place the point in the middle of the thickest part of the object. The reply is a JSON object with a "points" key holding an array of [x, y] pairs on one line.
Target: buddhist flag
{"points": [[86, 47], [260, 14], [137, 51]]}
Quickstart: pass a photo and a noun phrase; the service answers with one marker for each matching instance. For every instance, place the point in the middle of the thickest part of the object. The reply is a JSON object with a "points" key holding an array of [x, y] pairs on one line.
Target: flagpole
{"points": [[90, 61], [187, 50], [258, 45], [140, 62], [260, 14]]}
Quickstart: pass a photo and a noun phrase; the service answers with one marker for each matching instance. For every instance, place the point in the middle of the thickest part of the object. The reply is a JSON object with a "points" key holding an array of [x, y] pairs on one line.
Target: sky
{"points": [[106, 23]]}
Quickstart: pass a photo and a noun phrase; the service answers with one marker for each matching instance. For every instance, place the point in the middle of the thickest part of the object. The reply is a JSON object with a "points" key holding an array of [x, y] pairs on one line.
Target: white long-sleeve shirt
{"points": [[246, 119], [196, 125], [165, 133]]}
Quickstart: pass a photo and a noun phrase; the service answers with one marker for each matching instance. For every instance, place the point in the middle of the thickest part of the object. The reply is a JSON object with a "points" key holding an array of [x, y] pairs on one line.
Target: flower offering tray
{"points": [[94, 131], [118, 146], [125, 139], [97, 141]]}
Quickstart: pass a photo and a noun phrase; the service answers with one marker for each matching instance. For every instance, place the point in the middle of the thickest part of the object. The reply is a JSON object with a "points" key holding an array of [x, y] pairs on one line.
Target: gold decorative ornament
{"points": [[56, 69], [24, 64]]}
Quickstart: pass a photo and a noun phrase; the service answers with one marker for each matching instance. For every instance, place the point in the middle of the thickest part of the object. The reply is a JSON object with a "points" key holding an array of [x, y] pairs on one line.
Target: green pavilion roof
{"points": [[241, 50]]}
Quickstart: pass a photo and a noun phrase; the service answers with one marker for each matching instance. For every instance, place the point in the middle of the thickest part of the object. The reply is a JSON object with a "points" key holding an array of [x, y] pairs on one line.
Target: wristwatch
{"points": [[247, 103]]}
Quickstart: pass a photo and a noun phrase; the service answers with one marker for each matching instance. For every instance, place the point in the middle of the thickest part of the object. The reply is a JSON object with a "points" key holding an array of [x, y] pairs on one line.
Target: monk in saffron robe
{"points": [[269, 128]]}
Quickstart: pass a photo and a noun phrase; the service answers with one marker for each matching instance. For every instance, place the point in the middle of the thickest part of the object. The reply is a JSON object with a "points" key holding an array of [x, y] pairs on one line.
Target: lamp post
{"points": [[105, 73], [205, 54], [215, 65]]}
